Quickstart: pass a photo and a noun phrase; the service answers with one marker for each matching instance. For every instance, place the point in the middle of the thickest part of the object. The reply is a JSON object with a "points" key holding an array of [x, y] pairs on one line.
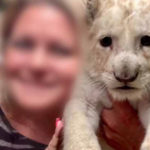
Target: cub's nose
{"points": [[126, 78]]}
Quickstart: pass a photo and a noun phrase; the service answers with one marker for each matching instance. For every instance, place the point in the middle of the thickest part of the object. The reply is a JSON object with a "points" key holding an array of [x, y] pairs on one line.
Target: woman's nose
{"points": [[38, 60]]}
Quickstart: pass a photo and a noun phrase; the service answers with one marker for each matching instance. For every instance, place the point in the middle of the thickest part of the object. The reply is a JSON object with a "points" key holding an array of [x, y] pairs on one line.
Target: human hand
{"points": [[121, 127]]}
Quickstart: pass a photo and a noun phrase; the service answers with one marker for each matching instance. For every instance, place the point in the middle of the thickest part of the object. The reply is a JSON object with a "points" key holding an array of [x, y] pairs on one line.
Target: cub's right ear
{"points": [[92, 7]]}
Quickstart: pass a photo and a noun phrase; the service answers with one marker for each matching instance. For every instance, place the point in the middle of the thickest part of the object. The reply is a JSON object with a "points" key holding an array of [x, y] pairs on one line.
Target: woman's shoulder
{"points": [[11, 139], [4, 125]]}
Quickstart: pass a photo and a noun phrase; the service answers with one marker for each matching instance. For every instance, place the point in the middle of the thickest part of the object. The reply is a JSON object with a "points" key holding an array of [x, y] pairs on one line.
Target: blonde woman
{"points": [[40, 63]]}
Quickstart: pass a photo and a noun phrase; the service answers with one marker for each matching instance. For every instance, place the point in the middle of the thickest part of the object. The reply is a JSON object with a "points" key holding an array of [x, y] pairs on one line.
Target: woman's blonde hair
{"points": [[17, 6]]}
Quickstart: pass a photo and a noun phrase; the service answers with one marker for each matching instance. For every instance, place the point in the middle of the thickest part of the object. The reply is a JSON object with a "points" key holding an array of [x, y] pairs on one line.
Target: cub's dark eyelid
{"points": [[106, 41], [145, 41]]}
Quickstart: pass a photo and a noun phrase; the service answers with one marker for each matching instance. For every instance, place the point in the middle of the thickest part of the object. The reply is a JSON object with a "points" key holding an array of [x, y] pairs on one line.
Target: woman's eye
{"points": [[145, 40], [106, 42], [23, 44], [60, 50]]}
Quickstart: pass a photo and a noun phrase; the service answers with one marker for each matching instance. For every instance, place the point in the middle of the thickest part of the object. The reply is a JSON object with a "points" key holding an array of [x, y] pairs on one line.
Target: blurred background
{"points": [[3, 4]]}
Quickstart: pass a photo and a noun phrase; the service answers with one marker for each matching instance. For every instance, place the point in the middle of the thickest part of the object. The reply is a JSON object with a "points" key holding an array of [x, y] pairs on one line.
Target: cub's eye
{"points": [[145, 40], [106, 41]]}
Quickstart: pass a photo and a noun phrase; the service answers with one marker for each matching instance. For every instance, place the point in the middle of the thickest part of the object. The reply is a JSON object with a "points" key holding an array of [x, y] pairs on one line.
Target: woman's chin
{"points": [[33, 98], [36, 104], [36, 101]]}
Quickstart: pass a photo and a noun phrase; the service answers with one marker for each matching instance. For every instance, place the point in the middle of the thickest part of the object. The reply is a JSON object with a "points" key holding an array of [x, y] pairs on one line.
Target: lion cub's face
{"points": [[119, 44]]}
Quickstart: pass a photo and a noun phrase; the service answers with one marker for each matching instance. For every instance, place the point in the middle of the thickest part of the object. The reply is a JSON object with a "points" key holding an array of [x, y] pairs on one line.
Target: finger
{"points": [[121, 111], [109, 117], [125, 105], [114, 140], [53, 143], [59, 126], [55, 139]]}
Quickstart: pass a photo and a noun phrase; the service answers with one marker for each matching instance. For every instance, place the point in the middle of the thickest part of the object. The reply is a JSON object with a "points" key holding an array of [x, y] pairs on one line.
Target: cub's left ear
{"points": [[92, 7]]}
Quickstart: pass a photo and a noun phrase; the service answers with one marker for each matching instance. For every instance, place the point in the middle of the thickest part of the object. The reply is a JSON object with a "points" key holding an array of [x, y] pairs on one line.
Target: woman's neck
{"points": [[36, 126]]}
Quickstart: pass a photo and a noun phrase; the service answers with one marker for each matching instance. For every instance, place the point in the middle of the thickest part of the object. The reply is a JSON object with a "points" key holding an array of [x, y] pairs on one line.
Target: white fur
{"points": [[126, 21]]}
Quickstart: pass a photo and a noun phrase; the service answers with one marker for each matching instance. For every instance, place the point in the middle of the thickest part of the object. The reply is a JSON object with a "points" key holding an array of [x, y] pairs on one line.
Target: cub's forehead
{"points": [[126, 4], [115, 15]]}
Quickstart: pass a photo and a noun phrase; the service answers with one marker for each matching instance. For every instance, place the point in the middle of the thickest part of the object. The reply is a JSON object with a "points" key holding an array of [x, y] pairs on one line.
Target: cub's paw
{"points": [[145, 146]]}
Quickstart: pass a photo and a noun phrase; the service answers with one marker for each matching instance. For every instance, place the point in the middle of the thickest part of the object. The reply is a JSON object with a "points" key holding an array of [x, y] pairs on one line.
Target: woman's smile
{"points": [[39, 82]]}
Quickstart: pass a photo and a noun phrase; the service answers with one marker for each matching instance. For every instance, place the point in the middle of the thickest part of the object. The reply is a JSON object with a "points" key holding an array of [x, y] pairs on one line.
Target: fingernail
{"points": [[57, 121]]}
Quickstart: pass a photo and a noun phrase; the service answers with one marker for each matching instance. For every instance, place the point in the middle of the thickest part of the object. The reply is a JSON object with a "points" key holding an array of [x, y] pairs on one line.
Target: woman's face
{"points": [[42, 58]]}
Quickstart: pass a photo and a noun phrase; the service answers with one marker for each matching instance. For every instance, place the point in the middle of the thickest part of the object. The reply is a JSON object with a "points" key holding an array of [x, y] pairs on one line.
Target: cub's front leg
{"points": [[146, 143], [78, 132]]}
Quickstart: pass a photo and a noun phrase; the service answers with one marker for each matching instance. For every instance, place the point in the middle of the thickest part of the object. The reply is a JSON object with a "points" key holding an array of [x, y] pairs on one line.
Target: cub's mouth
{"points": [[126, 87]]}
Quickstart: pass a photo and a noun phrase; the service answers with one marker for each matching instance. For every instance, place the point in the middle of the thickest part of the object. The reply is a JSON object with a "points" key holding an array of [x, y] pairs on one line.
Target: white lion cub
{"points": [[117, 64]]}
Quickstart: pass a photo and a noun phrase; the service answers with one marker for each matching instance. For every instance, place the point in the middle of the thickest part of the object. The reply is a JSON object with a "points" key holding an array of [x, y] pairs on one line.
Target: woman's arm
{"points": [[121, 127]]}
